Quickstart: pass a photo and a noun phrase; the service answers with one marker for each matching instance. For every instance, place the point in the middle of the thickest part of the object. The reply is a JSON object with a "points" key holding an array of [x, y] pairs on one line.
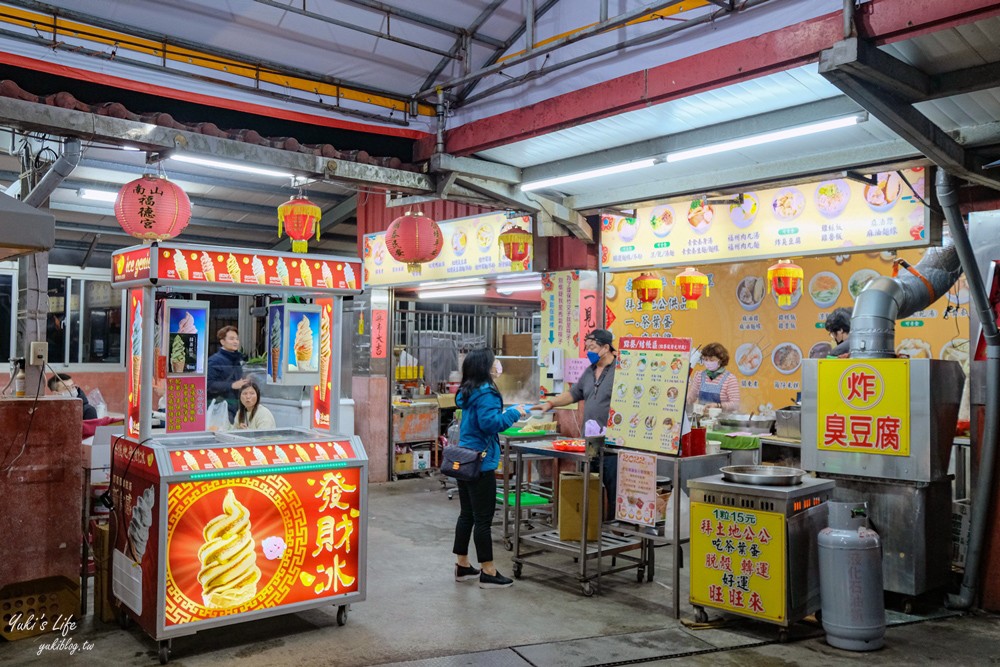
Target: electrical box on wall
{"points": [[38, 353]]}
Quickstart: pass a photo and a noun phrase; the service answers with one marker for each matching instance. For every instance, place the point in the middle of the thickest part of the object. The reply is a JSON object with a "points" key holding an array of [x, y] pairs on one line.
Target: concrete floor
{"points": [[416, 615]]}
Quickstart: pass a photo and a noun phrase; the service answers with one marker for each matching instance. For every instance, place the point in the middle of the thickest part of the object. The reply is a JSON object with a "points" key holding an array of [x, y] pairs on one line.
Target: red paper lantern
{"points": [[693, 284], [299, 217], [413, 239], [648, 289], [516, 244], [152, 208], [784, 278]]}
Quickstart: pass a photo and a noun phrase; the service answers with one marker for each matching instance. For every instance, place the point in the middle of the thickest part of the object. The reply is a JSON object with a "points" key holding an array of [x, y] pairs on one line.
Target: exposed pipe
{"points": [[603, 11], [56, 174], [849, 9], [982, 494], [439, 139], [529, 25]]}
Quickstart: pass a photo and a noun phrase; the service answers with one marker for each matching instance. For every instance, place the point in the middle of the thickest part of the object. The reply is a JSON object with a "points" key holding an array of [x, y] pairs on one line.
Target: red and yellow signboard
{"points": [[738, 561], [186, 404], [864, 406], [323, 401], [131, 265], [238, 545], [219, 265], [242, 456], [133, 360]]}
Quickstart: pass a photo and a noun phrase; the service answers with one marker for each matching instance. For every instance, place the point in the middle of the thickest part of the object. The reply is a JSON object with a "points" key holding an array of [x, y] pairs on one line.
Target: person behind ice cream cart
{"points": [[225, 370], [838, 323], [714, 386], [594, 388], [251, 415], [483, 417], [62, 383]]}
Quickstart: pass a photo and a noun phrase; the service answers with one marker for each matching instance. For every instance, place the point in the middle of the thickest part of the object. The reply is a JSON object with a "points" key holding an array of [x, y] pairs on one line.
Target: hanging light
{"points": [[152, 208], [414, 239], [299, 217], [784, 278], [693, 285], [648, 289], [516, 243]]}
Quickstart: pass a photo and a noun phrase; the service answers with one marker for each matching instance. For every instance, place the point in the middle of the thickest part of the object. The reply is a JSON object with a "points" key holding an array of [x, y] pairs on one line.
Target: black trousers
{"points": [[479, 503]]}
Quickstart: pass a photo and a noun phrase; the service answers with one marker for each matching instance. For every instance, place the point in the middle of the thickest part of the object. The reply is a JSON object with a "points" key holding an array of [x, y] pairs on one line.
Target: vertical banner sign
{"points": [[569, 312], [380, 323], [186, 404], [321, 392], [738, 561], [133, 361], [636, 497], [647, 401], [864, 406]]}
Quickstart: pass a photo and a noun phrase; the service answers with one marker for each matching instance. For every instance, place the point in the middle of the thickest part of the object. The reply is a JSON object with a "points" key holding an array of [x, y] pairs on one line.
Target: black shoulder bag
{"points": [[462, 463]]}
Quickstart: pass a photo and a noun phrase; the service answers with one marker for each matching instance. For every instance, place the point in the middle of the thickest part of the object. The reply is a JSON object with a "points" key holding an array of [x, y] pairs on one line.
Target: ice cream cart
{"points": [[221, 527]]}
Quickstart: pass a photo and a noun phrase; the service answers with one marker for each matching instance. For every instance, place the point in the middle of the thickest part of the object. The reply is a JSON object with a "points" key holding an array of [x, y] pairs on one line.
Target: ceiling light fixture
{"points": [[97, 195], [231, 166], [525, 287], [767, 137], [590, 173], [447, 293]]}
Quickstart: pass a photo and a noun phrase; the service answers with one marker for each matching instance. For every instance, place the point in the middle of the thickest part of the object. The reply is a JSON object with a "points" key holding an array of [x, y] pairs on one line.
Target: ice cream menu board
{"points": [[743, 570], [471, 248], [236, 545], [186, 404], [647, 401], [767, 342], [808, 219]]}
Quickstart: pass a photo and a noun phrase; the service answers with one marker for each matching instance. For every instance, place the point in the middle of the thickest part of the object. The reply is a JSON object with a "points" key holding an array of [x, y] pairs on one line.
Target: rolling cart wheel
{"points": [[124, 620], [639, 575], [700, 616], [588, 588], [507, 544], [908, 605], [783, 636], [342, 615], [517, 570], [164, 651]]}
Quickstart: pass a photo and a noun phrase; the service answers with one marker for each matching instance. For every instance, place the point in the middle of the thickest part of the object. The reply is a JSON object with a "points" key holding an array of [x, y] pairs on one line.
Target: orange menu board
{"points": [[288, 538], [808, 219], [647, 401], [864, 406], [767, 342], [471, 248], [220, 265], [738, 560], [242, 456]]}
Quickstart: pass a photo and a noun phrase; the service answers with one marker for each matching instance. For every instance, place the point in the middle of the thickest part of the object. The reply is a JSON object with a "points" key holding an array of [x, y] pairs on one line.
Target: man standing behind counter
{"points": [[594, 388], [225, 370]]}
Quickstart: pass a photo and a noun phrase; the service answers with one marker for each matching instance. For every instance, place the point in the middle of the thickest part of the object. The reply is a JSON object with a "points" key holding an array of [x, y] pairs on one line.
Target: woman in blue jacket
{"points": [[483, 417]]}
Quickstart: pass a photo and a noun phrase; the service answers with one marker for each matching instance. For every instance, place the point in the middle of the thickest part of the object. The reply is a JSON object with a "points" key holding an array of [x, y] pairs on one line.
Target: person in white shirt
{"points": [[251, 415]]}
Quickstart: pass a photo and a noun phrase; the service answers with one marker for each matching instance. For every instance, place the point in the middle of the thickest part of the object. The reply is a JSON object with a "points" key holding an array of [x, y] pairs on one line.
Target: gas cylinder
{"points": [[850, 575]]}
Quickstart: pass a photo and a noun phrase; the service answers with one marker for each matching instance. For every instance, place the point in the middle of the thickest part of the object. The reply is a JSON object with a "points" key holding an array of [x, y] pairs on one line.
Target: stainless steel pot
{"points": [[762, 475]]}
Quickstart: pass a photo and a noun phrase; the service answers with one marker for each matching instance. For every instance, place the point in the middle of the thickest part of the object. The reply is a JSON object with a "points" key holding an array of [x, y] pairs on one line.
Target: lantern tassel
{"points": [[280, 220], [300, 246], [415, 269]]}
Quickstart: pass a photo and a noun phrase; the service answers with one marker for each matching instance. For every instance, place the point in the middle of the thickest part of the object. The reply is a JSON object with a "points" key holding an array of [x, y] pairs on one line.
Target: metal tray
{"points": [[762, 475]]}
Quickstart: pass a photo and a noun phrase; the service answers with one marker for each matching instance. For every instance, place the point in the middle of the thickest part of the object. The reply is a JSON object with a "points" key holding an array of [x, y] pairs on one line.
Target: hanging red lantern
{"points": [[299, 217], [693, 285], [413, 239], [152, 208], [784, 279], [648, 289], [516, 244]]}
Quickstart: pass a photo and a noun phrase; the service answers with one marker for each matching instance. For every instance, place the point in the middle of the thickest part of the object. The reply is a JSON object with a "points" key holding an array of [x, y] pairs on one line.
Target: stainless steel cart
{"points": [[508, 511]]}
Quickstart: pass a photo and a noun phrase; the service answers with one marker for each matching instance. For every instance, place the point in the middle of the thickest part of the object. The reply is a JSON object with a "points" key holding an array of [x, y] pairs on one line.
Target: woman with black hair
{"points": [[483, 417], [251, 415]]}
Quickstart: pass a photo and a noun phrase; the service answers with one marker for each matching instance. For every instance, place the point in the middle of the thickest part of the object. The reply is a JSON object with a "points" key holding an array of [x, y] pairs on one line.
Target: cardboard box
{"points": [[403, 462], [421, 459], [961, 514], [446, 401], [571, 504], [102, 572], [518, 345]]}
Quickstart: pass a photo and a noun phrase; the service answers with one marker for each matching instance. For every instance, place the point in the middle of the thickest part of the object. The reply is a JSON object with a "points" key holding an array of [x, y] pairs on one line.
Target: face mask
{"points": [[497, 369], [69, 393], [593, 357], [711, 365]]}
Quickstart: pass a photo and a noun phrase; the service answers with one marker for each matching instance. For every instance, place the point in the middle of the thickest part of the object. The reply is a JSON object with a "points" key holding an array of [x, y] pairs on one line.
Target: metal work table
{"points": [[507, 512], [548, 540]]}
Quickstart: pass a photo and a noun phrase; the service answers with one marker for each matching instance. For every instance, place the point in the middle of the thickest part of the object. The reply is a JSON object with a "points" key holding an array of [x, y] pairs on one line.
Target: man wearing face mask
{"points": [[594, 388], [63, 384]]}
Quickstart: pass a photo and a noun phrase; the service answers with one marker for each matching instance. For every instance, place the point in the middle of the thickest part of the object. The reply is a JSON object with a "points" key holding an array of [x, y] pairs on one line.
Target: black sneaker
{"points": [[494, 581], [463, 573]]}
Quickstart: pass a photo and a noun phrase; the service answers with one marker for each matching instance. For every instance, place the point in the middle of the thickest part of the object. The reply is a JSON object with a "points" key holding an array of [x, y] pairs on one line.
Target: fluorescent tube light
{"points": [[590, 173], [97, 195], [446, 293], [766, 138], [442, 284], [231, 166], [526, 287]]}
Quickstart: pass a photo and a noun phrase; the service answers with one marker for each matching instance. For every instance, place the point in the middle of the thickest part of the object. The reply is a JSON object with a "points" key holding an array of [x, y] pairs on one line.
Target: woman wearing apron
{"points": [[715, 387]]}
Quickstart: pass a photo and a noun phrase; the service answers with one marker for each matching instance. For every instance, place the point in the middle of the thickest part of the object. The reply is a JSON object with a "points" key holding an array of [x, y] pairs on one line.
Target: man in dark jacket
{"points": [[225, 370], [62, 383]]}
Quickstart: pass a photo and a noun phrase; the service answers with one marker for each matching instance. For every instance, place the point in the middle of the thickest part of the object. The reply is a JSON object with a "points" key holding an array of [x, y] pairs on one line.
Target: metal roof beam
{"points": [[837, 67], [970, 80], [867, 62], [467, 166], [462, 45], [66, 122], [425, 21], [773, 174]]}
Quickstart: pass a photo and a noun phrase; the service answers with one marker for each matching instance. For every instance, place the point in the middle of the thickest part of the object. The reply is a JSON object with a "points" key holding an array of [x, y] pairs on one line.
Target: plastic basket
{"points": [[409, 372], [42, 598]]}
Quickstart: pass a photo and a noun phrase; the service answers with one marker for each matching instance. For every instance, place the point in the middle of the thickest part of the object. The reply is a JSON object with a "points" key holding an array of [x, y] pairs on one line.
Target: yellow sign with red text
{"points": [[738, 561], [864, 406]]}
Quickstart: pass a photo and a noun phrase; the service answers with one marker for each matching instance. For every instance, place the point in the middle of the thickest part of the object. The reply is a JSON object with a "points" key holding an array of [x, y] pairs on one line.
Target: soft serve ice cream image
{"points": [[142, 519], [186, 325], [324, 354], [136, 351], [177, 356], [229, 572], [303, 345], [349, 277], [274, 347]]}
